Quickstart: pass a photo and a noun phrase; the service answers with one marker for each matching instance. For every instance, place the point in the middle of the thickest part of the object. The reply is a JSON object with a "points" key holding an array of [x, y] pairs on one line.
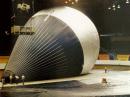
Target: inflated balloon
{"points": [[65, 44]]}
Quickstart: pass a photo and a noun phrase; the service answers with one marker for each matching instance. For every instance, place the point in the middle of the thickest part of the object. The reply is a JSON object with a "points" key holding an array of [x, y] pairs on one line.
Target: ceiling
{"points": [[108, 22]]}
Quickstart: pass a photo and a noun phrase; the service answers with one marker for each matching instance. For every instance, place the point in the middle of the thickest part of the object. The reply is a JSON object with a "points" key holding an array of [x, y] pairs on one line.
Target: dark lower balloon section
{"points": [[54, 51]]}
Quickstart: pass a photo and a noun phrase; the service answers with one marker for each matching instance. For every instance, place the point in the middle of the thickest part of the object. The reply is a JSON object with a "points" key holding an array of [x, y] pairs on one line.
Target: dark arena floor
{"points": [[118, 85]]}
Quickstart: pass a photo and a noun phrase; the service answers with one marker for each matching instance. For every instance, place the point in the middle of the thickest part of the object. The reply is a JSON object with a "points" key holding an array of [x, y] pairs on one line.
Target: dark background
{"points": [[113, 26]]}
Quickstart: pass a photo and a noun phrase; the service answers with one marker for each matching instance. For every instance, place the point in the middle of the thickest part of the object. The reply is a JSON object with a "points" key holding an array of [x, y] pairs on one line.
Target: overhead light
{"points": [[72, 3], [76, 1], [127, 1], [66, 2], [118, 6], [23, 6], [109, 8], [113, 5]]}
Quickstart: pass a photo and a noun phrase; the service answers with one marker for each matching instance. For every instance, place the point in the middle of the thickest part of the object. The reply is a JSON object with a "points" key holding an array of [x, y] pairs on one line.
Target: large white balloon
{"points": [[65, 44]]}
